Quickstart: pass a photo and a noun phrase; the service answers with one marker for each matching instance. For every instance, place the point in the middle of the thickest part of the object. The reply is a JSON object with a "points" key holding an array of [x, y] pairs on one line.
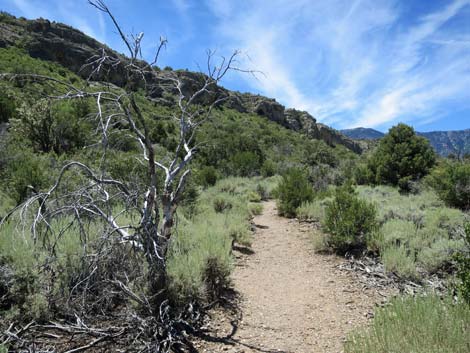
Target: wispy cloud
{"points": [[423, 73], [352, 63], [347, 62], [28, 9], [181, 5], [260, 37]]}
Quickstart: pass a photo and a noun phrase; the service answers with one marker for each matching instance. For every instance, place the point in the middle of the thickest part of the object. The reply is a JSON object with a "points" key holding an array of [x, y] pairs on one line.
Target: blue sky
{"points": [[369, 63]]}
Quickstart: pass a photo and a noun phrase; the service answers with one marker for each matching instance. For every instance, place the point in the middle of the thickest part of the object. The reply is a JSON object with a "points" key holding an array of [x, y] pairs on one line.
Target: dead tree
{"points": [[95, 196]]}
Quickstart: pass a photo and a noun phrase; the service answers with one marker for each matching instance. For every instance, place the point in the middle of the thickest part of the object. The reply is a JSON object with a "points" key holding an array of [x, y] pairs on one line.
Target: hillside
{"points": [[362, 133], [71, 48], [443, 142]]}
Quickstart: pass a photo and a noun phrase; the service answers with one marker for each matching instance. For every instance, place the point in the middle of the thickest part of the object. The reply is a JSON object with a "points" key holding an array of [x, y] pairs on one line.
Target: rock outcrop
{"points": [[71, 48]]}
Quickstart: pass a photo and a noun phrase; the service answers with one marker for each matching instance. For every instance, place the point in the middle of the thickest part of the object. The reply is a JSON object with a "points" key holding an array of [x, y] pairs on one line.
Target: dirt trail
{"points": [[291, 299]]}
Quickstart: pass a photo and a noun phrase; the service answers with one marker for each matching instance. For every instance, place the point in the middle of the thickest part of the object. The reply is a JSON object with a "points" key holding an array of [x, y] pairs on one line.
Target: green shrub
{"points": [[245, 163], [269, 168], [293, 190], [349, 220], [25, 173], [318, 153], [452, 183], [207, 176], [420, 325], [323, 175], [6, 204], [401, 157], [362, 175], [122, 166], [59, 127]]}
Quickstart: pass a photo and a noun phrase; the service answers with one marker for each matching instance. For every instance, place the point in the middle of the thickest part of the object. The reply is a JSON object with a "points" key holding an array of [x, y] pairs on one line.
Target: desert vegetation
{"points": [[421, 324], [126, 189], [416, 225]]}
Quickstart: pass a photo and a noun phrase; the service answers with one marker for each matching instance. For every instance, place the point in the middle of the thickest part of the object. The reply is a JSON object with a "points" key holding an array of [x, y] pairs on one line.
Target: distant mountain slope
{"points": [[443, 142], [71, 48], [362, 133], [449, 142]]}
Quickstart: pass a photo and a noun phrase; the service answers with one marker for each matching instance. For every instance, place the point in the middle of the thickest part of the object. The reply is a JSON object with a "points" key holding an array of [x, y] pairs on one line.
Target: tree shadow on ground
{"points": [[245, 250], [229, 305]]}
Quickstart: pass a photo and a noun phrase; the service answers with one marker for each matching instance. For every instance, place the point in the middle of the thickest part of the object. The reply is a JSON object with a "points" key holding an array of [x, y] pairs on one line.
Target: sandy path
{"points": [[291, 299]]}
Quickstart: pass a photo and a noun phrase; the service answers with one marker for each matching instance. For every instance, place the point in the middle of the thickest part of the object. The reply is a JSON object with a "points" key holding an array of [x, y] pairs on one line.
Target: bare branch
{"points": [[100, 5]]}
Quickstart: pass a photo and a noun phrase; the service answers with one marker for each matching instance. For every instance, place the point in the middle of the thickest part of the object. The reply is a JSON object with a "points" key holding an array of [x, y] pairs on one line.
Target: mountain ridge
{"points": [[456, 142]]}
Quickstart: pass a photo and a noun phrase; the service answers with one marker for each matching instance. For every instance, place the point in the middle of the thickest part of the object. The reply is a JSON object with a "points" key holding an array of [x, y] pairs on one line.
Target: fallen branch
{"points": [[89, 345]]}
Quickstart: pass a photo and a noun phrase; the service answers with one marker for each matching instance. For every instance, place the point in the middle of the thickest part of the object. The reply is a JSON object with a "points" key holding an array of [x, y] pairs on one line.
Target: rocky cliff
{"points": [[71, 48]]}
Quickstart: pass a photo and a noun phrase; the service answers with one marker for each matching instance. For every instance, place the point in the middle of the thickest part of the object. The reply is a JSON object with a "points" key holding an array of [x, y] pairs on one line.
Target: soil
{"points": [[289, 298]]}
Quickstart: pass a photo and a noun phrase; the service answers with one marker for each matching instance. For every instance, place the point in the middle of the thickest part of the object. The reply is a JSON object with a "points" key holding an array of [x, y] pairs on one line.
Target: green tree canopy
{"points": [[401, 156]]}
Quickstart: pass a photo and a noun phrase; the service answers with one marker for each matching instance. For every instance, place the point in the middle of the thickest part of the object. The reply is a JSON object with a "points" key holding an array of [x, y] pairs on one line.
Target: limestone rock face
{"points": [[59, 43], [334, 137], [266, 107], [304, 122], [72, 49], [300, 120]]}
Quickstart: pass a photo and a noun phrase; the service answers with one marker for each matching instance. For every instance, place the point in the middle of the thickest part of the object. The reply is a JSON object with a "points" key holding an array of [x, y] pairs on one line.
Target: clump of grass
{"points": [[35, 276], [237, 227], [399, 260], [263, 191], [254, 196], [16, 247], [255, 209], [320, 241], [200, 243], [313, 211], [222, 204], [243, 186], [420, 325]]}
